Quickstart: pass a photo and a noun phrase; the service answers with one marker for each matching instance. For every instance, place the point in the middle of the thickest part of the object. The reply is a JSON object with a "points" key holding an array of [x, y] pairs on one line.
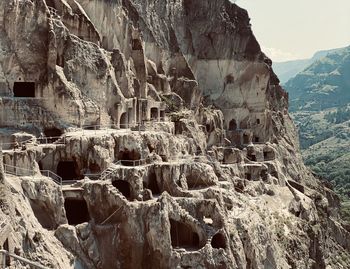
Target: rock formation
{"points": [[152, 134]]}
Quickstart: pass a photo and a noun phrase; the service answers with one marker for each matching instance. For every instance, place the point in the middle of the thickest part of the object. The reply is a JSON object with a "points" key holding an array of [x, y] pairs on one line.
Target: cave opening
{"points": [[265, 156], [53, 134], [208, 128], [154, 113], [178, 127], [248, 176], [256, 139], [195, 183], [162, 115], [129, 157], [232, 125], [123, 186], [136, 44], [218, 241], [68, 170], [269, 155], [182, 236], [123, 123], [76, 211], [24, 89], [245, 139], [251, 157], [40, 164]]}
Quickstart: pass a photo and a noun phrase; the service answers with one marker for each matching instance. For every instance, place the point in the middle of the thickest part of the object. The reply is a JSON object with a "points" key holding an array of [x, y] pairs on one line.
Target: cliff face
{"points": [[174, 130]]}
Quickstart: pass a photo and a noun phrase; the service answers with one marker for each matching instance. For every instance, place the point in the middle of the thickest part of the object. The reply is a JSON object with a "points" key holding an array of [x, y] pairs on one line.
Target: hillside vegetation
{"points": [[320, 106], [289, 69], [324, 84]]}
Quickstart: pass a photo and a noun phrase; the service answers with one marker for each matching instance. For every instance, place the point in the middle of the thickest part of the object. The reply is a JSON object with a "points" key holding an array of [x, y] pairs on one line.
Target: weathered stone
{"points": [[175, 131]]}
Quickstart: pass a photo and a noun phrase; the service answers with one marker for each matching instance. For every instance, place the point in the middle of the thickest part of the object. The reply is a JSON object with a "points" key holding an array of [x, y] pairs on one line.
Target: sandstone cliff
{"points": [[153, 134]]}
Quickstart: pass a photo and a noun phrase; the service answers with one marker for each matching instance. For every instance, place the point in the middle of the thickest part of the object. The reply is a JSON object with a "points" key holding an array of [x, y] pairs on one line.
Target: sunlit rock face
{"points": [[174, 129]]}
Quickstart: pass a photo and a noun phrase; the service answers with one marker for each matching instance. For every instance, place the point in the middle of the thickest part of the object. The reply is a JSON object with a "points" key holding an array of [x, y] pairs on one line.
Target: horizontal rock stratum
{"points": [[152, 134]]}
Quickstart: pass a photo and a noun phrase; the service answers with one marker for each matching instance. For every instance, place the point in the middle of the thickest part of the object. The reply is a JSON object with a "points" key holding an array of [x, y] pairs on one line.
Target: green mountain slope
{"points": [[289, 69], [324, 84], [319, 100]]}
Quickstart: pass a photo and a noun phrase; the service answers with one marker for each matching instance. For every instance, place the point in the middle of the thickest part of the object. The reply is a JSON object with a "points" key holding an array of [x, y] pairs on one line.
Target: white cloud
{"points": [[278, 55]]}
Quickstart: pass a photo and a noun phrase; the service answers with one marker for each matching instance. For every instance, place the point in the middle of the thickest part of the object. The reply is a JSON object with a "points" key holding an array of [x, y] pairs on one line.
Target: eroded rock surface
{"points": [[152, 134]]}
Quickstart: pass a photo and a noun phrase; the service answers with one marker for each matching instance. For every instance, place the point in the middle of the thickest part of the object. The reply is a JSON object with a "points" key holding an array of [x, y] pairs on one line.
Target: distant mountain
{"points": [[289, 69], [319, 101], [322, 85]]}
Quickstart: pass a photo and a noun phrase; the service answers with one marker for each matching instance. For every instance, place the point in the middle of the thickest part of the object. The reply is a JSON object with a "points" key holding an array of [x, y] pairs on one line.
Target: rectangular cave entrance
{"points": [[124, 187], [123, 122], [245, 139], [232, 125], [52, 134], [269, 155], [24, 89], [182, 236], [68, 170], [248, 176], [154, 113], [129, 157], [76, 211], [196, 183], [162, 115], [256, 139]]}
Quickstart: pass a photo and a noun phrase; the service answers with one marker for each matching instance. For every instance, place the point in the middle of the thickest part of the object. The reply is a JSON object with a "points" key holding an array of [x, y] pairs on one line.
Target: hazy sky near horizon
{"points": [[296, 29]]}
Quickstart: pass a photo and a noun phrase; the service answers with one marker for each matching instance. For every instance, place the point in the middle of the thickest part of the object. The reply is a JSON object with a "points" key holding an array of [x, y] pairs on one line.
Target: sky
{"points": [[296, 29]]}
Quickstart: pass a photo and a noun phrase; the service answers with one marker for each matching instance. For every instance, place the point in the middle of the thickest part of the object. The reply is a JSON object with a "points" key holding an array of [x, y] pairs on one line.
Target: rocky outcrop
{"points": [[31, 224], [167, 133]]}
